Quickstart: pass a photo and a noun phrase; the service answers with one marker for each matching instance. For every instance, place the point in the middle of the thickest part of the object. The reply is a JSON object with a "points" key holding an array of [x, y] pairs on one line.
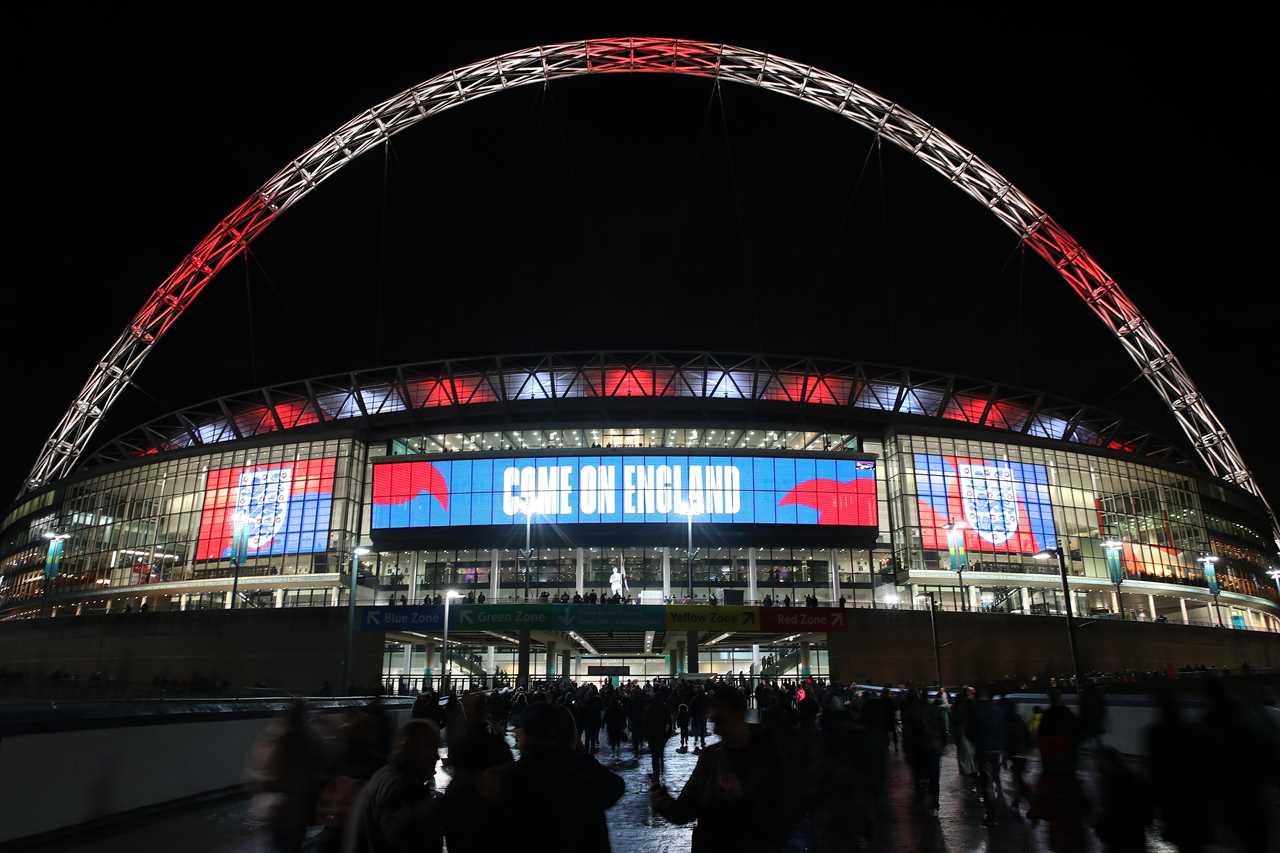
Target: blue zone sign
{"points": [[625, 489]]}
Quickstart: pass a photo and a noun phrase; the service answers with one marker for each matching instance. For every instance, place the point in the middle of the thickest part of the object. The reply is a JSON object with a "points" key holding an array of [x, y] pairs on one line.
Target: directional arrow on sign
{"points": [[468, 618], [375, 618], [837, 620], [749, 618]]}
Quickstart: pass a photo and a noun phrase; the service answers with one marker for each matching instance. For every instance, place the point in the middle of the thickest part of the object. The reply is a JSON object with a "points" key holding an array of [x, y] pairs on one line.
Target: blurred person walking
{"points": [[398, 810], [733, 792]]}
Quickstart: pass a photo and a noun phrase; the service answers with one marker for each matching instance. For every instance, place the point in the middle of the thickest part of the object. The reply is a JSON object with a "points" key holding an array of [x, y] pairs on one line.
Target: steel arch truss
{"points": [[804, 82]]}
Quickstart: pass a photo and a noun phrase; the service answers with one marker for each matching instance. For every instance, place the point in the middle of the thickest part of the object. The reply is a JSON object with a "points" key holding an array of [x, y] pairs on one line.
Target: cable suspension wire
{"points": [[628, 55], [748, 270], [253, 340]]}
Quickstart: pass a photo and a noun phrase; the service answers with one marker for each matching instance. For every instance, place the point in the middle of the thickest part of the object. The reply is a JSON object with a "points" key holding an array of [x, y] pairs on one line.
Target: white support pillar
{"points": [[406, 668], [279, 602], [1026, 601], [755, 659], [1115, 602], [1182, 603], [491, 661], [582, 572], [495, 574], [333, 596], [751, 578], [226, 602], [182, 601], [833, 577], [1151, 605], [975, 599], [666, 573], [413, 580]]}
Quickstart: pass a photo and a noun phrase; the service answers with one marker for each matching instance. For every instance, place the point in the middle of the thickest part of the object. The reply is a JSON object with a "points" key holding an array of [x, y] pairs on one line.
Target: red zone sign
{"points": [[798, 619]]}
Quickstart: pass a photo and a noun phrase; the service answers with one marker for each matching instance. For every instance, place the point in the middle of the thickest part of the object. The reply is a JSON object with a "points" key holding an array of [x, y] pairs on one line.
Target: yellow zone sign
{"points": [[700, 617]]}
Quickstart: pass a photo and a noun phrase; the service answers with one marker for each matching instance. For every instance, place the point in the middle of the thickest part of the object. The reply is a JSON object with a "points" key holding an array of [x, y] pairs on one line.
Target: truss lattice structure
{"points": [[888, 120], [562, 382]]}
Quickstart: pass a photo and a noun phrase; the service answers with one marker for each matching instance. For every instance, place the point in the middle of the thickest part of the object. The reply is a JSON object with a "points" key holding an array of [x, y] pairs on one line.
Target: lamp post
{"points": [[1115, 569], [356, 553], [1211, 577], [449, 594], [933, 630], [1048, 554], [526, 508], [688, 514], [955, 551]]}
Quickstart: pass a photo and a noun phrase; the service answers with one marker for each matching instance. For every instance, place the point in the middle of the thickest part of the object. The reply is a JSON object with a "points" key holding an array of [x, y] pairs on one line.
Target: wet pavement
{"points": [[223, 826]]}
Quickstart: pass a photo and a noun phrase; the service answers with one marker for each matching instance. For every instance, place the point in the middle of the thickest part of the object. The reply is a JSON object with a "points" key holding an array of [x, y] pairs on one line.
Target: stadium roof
{"points": [[507, 382]]}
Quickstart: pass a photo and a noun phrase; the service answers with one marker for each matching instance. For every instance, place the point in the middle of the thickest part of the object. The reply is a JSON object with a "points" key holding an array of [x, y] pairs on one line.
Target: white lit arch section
{"points": [[888, 120]]}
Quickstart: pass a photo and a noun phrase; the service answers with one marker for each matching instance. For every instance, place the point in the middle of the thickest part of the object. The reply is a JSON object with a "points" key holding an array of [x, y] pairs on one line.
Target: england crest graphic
{"points": [[989, 499], [279, 508], [262, 502]]}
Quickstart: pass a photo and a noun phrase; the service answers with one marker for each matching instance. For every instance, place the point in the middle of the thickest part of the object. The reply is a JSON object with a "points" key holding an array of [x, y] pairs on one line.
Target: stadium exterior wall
{"points": [[153, 531]]}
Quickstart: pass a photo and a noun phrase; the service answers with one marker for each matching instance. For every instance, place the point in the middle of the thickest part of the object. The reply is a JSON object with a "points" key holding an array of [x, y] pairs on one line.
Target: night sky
{"points": [[637, 212]]}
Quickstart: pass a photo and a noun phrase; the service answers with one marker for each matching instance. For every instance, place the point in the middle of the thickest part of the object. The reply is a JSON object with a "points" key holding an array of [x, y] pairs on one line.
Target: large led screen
{"points": [[1004, 505], [625, 489], [286, 506]]}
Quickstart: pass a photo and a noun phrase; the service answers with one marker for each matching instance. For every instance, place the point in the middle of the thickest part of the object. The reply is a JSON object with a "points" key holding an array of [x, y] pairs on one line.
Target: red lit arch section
{"points": [[804, 82]]}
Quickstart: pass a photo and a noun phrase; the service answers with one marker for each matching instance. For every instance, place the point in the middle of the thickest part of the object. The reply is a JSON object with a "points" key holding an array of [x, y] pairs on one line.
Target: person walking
{"points": [[398, 810], [682, 723], [592, 716], [987, 733], [928, 742], [550, 776], [1017, 743], [1059, 797], [474, 747], [1181, 760], [286, 770], [698, 716], [615, 721], [657, 731], [734, 790], [961, 723]]}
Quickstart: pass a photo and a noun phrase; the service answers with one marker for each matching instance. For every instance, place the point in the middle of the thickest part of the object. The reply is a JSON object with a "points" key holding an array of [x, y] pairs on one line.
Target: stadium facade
{"points": [[791, 478], [675, 475]]}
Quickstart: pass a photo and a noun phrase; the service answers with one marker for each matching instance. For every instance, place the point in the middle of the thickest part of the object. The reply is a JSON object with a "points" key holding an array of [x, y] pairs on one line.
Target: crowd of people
{"points": [[810, 771]]}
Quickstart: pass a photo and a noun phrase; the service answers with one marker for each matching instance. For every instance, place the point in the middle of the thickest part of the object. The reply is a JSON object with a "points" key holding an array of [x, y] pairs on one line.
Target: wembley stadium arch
{"points": [[888, 120]]}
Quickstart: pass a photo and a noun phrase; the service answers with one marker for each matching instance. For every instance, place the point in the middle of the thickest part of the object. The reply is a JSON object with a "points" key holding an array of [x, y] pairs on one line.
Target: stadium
{"points": [[668, 479]]}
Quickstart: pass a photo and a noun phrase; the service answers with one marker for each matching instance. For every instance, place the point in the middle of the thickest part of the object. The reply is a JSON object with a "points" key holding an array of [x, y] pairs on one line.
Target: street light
{"points": [[688, 514], [1211, 577], [526, 508], [955, 549], [1115, 568], [1275, 576], [933, 630], [356, 553], [448, 677], [1048, 554]]}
